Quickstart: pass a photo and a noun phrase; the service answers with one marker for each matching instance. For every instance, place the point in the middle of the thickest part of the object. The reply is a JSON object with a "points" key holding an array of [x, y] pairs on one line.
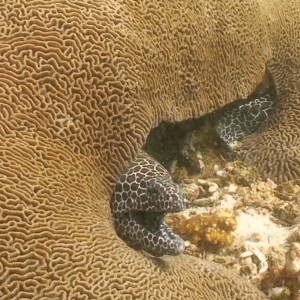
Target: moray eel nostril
{"points": [[143, 195]]}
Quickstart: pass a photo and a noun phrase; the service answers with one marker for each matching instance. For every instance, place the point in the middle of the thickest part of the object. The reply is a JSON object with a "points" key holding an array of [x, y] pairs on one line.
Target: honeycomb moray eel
{"points": [[143, 195], [82, 84], [145, 191], [243, 117]]}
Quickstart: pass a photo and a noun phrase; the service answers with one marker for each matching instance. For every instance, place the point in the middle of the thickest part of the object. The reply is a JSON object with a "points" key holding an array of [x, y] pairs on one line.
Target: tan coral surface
{"points": [[275, 151], [82, 83]]}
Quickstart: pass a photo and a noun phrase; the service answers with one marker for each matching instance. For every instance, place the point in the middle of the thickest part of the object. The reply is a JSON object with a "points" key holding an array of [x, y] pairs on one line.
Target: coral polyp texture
{"points": [[207, 230], [82, 83]]}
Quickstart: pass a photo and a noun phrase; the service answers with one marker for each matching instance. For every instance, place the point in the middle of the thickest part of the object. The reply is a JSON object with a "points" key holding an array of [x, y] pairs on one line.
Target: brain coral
{"points": [[278, 154], [82, 83]]}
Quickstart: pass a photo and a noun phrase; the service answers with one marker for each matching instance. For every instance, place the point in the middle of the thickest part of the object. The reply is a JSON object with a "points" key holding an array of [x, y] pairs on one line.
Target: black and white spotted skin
{"points": [[243, 117], [143, 195], [145, 191]]}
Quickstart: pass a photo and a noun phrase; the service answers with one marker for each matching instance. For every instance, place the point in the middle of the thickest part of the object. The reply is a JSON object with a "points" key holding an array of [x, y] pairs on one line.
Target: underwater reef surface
{"points": [[236, 218], [82, 84]]}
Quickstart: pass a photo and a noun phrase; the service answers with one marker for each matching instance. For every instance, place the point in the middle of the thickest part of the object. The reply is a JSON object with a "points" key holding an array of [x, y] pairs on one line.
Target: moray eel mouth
{"points": [[152, 221], [143, 226], [149, 220], [143, 195], [153, 234]]}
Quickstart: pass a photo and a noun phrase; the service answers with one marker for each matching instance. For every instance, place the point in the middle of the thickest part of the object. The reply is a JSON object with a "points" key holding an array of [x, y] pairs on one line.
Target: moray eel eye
{"points": [[143, 195], [154, 191]]}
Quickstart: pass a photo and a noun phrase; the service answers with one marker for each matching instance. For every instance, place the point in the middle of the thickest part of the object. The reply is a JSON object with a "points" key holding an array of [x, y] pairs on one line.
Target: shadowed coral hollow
{"points": [[82, 84]]}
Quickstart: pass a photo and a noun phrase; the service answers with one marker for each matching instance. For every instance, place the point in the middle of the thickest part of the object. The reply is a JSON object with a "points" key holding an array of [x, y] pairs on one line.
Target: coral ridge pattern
{"points": [[82, 84]]}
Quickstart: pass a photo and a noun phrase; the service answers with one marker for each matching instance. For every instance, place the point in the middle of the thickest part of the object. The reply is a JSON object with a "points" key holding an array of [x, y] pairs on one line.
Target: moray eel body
{"points": [[143, 194], [243, 117]]}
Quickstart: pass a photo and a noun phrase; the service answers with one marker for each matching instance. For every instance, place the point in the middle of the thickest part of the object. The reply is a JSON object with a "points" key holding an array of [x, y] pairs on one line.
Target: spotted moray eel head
{"points": [[143, 195], [164, 195]]}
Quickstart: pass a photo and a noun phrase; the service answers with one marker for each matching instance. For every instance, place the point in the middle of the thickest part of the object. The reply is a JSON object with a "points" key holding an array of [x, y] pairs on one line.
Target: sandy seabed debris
{"points": [[234, 217], [246, 223]]}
